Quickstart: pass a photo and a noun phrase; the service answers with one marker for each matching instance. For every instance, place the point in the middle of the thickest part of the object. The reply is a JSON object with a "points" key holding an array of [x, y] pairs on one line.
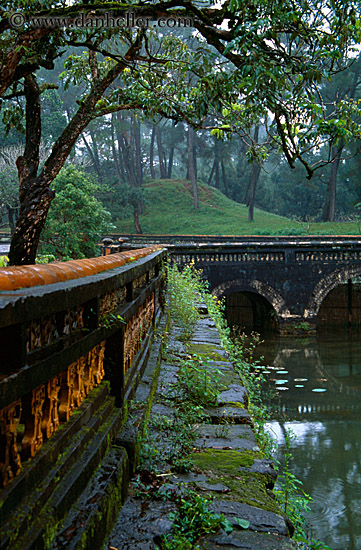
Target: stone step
{"points": [[238, 437], [235, 394], [141, 524], [227, 466], [247, 540], [228, 414], [260, 520]]}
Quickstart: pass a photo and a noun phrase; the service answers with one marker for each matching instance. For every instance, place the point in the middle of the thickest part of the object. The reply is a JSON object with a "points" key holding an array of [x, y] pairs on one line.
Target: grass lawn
{"points": [[169, 210]]}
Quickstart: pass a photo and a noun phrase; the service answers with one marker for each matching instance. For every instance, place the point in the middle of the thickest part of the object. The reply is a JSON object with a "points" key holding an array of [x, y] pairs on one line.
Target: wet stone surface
{"points": [[178, 484], [265, 467], [239, 437], [235, 394], [228, 414], [140, 525], [226, 463], [162, 410], [260, 520], [248, 540], [200, 337]]}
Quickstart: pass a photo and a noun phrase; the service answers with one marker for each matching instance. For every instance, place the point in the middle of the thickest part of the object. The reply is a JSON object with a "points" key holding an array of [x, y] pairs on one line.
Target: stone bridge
{"points": [[280, 281]]}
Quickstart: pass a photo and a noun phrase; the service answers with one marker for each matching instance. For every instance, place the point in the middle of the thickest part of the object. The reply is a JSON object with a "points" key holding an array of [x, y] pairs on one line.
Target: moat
{"points": [[319, 386]]}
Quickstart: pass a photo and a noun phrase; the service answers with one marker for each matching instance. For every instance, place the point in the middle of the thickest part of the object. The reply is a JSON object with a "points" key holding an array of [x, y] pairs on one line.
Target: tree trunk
{"points": [[253, 180], [138, 153], [209, 182], [328, 214], [170, 162], [216, 160], [246, 193], [34, 196], [136, 220], [11, 218], [138, 160], [151, 154], [254, 176], [118, 167], [117, 127], [216, 179], [192, 167], [224, 177], [162, 167], [94, 158], [127, 160], [34, 190]]}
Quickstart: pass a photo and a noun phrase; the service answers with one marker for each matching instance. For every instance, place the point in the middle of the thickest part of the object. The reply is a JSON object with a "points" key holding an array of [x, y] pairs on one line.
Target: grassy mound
{"points": [[169, 210]]}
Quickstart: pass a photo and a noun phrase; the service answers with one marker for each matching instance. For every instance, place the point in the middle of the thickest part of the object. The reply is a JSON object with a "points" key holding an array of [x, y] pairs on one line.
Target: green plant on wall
{"points": [[4, 261]]}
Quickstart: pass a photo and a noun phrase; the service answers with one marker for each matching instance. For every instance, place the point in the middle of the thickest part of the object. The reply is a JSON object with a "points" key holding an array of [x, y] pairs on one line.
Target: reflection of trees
{"points": [[302, 359], [327, 453], [328, 463]]}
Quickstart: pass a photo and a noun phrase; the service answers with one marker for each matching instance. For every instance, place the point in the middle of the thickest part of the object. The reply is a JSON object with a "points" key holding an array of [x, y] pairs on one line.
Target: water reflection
{"points": [[327, 452]]}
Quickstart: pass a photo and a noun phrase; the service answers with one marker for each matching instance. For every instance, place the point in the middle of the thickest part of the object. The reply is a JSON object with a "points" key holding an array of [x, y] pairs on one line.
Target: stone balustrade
{"points": [[74, 340]]}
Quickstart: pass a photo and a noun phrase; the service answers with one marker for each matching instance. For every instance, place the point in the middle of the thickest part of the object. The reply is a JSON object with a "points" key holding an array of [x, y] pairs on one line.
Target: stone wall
{"points": [[75, 339]]}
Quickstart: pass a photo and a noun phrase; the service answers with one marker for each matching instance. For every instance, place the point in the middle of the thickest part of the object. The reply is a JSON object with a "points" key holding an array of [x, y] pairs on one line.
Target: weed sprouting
{"points": [[197, 381], [294, 501], [193, 520], [183, 287]]}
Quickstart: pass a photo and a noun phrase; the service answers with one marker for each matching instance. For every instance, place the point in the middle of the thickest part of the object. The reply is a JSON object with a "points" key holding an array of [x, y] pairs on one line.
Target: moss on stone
{"points": [[227, 461], [224, 466], [237, 404], [207, 351]]}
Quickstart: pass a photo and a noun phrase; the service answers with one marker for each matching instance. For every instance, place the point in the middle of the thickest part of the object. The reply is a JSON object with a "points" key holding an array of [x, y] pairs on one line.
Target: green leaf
{"points": [[242, 523], [227, 526]]}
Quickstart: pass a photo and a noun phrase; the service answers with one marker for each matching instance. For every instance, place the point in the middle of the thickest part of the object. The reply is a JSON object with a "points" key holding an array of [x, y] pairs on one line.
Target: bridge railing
{"points": [[84, 321], [208, 249], [272, 240], [287, 253]]}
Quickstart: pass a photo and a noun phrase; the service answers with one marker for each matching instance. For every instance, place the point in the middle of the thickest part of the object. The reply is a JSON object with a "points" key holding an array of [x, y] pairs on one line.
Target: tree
{"points": [[9, 184], [334, 93], [76, 219], [35, 193], [269, 59]]}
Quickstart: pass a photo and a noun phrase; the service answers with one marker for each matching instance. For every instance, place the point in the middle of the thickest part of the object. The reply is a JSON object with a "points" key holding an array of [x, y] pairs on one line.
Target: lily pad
{"points": [[282, 372], [319, 390], [299, 386], [281, 382], [301, 379]]}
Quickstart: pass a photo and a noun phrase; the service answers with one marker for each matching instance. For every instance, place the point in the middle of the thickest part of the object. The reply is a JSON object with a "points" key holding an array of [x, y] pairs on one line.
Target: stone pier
{"points": [[227, 464]]}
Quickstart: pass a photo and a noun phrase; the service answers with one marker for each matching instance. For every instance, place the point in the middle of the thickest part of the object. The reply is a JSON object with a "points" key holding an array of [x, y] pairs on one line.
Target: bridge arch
{"points": [[270, 299], [325, 285], [258, 287]]}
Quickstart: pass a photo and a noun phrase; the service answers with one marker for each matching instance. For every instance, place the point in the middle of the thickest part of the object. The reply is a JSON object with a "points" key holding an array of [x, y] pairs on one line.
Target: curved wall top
{"points": [[14, 278]]}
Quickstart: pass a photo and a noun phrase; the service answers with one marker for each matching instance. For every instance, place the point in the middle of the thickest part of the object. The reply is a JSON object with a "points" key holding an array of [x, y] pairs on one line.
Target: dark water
{"points": [[320, 395]]}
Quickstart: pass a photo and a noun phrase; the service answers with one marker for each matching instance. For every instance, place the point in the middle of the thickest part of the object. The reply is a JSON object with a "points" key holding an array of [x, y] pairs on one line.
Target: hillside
{"points": [[169, 210]]}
